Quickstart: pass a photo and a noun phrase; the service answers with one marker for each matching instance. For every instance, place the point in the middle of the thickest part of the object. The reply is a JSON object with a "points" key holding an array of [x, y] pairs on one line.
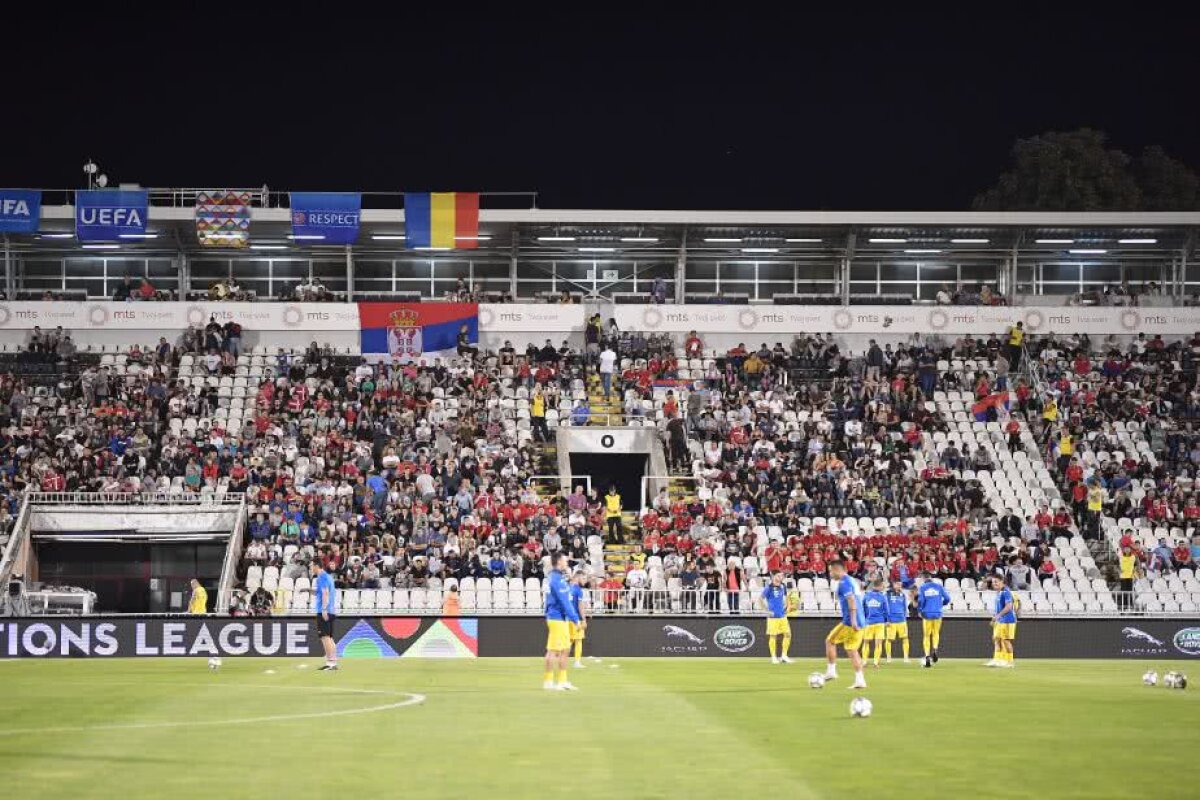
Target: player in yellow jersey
{"points": [[198, 604]]}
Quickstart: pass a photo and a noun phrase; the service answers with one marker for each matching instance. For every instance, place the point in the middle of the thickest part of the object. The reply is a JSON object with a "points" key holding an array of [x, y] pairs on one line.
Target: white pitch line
{"points": [[412, 699]]}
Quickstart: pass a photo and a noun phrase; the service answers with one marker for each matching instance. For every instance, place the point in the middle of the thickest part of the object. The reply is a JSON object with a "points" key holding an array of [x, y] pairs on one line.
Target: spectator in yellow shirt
{"points": [[198, 604]]}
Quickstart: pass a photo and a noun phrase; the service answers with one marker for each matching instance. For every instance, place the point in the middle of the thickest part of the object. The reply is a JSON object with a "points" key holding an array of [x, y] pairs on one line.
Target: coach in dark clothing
{"points": [[1010, 524]]}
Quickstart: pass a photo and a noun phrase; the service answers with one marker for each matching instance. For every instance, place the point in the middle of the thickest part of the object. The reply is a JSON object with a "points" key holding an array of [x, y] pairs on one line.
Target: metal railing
{"points": [[659, 602], [647, 500], [131, 498], [233, 555], [559, 479], [16, 542]]}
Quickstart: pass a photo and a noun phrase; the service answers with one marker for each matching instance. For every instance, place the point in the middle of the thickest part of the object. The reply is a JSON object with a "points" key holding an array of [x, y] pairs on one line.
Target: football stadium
{"points": [[684, 485], [598, 405]]}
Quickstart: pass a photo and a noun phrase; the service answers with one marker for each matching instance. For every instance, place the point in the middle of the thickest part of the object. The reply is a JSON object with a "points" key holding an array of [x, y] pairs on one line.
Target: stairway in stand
{"points": [[605, 412], [617, 556]]}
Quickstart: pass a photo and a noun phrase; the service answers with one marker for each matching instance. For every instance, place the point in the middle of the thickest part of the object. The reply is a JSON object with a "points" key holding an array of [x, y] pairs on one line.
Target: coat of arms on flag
{"points": [[404, 333], [223, 218]]}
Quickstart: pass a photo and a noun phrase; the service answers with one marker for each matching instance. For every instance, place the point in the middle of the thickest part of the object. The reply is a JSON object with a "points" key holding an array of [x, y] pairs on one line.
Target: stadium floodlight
{"points": [[886, 240], [760, 249], [101, 246], [923, 250], [556, 238], [1088, 251], [433, 248], [1137, 241], [804, 241], [137, 236], [388, 237], [970, 241], [640, 239], [1055, 241], [55, 235], [722, 239], [482, 237], [305, 237], [268, 247], [597, 249]]}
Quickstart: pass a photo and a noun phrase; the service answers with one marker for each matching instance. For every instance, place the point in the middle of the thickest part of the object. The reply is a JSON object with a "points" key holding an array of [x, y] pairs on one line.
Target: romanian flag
{"points": [[441, 219]]}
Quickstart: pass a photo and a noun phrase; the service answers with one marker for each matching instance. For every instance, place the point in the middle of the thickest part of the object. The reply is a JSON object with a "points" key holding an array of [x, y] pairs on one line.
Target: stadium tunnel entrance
{"points": [[623, 471]]}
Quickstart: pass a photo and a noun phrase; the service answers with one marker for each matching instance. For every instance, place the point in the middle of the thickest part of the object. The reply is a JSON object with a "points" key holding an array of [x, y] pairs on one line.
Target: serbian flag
{"points": [[413, 330], [998, 401], [441, 219]]}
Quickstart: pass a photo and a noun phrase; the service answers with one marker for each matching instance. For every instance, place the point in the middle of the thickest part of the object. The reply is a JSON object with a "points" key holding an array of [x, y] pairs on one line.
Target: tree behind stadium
{"points": [[1079, 171]]}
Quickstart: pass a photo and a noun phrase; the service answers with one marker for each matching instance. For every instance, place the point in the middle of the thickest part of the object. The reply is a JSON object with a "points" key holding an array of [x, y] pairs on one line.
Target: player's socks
{"points": [[562, 677], [771, 648], [784, 645], [934, 655], [831, 672], [904, 648], [887, 651], [860, 680], [578, 651]]}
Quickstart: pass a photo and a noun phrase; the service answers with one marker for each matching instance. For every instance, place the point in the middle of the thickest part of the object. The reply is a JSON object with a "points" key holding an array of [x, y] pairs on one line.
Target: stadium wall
{"points": [[607, 637]]}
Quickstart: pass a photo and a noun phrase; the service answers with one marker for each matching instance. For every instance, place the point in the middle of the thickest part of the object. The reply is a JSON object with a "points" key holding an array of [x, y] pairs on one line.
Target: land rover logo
{"points": [[734, 638], [1187, 641], [607, 440]]}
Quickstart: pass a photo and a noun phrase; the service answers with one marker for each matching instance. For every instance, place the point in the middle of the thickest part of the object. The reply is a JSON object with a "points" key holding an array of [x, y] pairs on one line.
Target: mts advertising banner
{"points": [[950, 320], [131, 637], [530, 318], [177, 316]]}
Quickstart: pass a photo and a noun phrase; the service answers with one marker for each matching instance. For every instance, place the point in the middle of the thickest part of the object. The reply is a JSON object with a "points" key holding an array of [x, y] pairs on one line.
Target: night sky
{"points": [[594, 106]]}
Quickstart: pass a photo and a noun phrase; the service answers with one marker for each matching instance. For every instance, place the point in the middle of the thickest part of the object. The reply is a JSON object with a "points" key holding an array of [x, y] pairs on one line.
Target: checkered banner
{"points": [[223, 219]]}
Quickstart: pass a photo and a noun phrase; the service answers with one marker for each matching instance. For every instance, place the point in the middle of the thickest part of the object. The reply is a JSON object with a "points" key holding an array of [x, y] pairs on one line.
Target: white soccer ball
{"points": [[214, 663], [860, 707], [1169, 680], [1150, 678], [816, 681]]}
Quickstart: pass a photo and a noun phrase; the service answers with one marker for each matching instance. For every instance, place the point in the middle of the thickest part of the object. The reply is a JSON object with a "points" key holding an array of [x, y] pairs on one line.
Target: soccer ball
{"points": [[860, 707], [1180, 680], [214, 663], [1175, 680], [816, 681], [1150, 678]]}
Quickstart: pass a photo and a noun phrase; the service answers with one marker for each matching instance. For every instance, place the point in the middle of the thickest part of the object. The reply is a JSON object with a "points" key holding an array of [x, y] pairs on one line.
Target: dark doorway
{"points": [[133, 577], [625, 471]]}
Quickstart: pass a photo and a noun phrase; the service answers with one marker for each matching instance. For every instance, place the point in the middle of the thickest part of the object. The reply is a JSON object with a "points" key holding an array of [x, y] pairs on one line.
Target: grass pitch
{"points": [[649, 728]]}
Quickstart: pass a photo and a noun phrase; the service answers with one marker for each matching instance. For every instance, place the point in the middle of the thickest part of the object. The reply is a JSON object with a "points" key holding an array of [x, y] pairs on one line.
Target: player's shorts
{"points": [[577, 633], [931, 626], [558, 636], [874, 631], [325, 626], [778, 626], [845, 635], [896, 630], [1006, 631]]}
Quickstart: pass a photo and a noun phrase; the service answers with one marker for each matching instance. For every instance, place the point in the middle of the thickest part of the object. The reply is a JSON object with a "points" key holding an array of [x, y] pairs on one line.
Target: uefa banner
{"points": [[948, 320], [108, 215], [525, 637], [20, 210], [326, 217]]}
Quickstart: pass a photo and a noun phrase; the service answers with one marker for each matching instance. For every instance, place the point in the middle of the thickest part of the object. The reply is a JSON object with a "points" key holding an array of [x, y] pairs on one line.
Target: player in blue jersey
{"points": [[897, 619], [849, 632], [325, 600], [775, 595], [560, 611], [1004, 624], [875, 610], [580, 601], [932, 599]]}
